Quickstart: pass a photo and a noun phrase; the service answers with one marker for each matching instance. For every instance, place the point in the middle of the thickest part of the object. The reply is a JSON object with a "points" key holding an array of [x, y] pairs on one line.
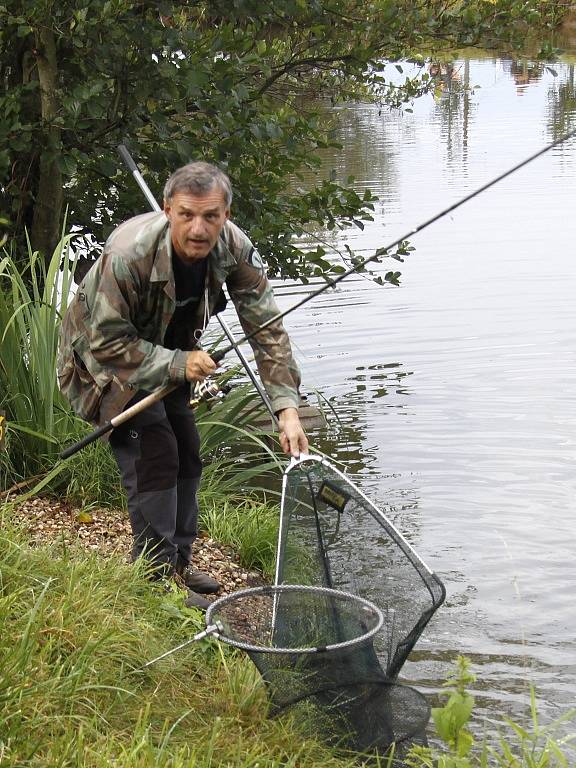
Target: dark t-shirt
{"points": [[190, 282]]}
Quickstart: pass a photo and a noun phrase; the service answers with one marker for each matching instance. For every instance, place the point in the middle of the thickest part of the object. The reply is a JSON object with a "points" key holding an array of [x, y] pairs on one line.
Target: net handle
{"points": [[211, 629]]}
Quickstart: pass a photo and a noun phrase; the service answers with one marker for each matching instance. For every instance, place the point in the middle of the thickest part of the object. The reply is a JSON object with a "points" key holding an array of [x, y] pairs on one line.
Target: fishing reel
{"points": [[208, 391]]}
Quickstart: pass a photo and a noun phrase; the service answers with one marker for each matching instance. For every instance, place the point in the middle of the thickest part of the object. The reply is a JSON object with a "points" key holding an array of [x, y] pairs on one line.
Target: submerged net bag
{"points": [[331, 535]]}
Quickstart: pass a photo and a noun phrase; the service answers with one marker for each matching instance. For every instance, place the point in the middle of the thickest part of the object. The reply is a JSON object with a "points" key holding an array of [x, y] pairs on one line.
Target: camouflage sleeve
{"points": [[252, 295], [113, 338]]}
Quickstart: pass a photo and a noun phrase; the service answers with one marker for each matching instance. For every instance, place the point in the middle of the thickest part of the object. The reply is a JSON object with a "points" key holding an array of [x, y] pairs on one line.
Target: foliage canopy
{"points": [[240, 83]]}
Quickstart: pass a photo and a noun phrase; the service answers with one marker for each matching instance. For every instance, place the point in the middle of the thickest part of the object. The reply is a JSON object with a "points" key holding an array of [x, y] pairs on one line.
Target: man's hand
{"points": [[199, 365], [292, 437]]}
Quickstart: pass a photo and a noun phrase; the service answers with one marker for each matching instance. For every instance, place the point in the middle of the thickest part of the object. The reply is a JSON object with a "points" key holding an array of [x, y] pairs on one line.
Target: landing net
{"points": [[331, 535]]}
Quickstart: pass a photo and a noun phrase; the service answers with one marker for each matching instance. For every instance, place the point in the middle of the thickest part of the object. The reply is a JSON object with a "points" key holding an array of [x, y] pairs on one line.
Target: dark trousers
{"points": [[158, 453]]}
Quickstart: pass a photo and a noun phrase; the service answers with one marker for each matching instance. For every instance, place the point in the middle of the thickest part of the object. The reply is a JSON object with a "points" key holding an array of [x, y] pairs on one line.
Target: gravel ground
{"points": [[107, 531]]}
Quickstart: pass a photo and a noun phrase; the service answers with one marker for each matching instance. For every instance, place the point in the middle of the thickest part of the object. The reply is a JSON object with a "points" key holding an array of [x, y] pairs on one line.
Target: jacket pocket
{"points": [[77, 384]]}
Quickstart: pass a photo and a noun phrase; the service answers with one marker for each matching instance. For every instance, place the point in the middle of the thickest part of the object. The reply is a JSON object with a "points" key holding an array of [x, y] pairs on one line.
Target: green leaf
{"points": [[67, 165], [107, 166], [32, 432], [392, 277]]}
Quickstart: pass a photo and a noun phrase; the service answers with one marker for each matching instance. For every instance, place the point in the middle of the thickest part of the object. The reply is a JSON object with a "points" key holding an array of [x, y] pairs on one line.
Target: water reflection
{"points": [[453, 96], [562, 105], [524, 72], [455, 392]]}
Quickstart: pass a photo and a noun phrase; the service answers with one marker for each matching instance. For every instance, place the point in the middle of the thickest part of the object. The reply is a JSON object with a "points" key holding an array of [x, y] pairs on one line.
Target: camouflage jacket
{"points": [[112, 334]]}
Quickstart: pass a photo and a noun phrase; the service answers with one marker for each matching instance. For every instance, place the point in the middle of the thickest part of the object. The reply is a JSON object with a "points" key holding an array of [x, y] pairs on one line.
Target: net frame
{"points": [[276, 591], [432, 584], [305, 457], [216, 629]]}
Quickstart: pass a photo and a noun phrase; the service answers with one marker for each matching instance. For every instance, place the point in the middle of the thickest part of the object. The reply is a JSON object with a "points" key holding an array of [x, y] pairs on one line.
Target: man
{"points": [[134, 326]]}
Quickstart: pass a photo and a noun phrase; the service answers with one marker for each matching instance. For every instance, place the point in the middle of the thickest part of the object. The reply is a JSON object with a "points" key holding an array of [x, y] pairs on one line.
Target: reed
{"points": [[31, 305]]}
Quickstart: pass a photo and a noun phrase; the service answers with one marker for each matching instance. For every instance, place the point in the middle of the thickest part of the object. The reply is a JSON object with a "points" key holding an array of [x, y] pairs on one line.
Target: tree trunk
{"points": [[49, 195]]}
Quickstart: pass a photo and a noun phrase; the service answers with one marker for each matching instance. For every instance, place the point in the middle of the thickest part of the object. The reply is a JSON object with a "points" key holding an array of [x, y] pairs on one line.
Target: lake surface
{"points": [[456, 392]]}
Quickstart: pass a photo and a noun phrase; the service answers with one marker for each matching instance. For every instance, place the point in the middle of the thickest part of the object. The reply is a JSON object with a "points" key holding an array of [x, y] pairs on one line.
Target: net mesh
{"points": [[331, 535], [365, 717]]}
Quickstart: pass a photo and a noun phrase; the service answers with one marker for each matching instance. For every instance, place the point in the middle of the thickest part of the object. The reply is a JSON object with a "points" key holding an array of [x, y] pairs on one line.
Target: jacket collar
{"points": [[220, 258]]}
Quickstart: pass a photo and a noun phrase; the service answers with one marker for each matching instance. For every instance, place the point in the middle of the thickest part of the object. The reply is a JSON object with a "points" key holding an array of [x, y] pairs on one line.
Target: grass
{"points": [[248, 525], [76, 631], [31, 305]]}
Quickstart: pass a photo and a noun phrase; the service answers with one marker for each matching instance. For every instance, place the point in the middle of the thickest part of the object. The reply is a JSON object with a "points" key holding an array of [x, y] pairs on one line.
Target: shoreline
{"points": [[107, 531]]}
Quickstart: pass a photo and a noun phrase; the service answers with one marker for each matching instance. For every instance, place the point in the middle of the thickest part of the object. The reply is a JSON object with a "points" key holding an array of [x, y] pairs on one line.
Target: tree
{"points": [[240, 83]]}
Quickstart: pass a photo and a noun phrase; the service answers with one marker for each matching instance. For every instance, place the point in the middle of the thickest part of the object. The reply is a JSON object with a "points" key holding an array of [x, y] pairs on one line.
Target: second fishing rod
{"points": [[219, 354]]}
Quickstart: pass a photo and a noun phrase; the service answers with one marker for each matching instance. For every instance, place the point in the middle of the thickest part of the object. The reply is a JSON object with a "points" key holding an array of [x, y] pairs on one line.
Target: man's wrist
{"points": [[177, 371], [288, 413]]}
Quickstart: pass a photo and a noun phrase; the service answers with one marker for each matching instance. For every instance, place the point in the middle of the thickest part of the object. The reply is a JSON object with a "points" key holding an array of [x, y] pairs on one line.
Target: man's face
{"points": [[196, 222]]}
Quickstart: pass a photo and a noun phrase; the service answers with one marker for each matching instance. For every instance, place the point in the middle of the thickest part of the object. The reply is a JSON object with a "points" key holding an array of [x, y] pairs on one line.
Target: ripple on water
{"points": [[456, 392]]}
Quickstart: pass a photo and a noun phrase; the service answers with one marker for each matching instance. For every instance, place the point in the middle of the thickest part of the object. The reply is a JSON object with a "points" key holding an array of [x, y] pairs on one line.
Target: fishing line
{"points": [[219, 354]]}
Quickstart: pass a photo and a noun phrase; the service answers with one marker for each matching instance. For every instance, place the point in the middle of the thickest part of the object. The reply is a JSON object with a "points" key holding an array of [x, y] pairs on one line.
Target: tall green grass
{"points": [[31, 306], [248, 525], [75, 633]]}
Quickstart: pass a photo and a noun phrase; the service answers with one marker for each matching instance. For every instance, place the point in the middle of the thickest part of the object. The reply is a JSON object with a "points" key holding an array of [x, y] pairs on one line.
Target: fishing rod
{"points": [[139, 179], [219, 354], [332, 282]]}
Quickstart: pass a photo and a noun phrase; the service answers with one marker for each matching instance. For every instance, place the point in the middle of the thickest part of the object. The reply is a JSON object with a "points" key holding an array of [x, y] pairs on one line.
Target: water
{"points": [[456, 392]]}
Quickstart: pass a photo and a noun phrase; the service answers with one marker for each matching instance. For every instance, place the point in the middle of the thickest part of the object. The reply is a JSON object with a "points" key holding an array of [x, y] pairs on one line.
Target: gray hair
{"points": [[198, 178]]}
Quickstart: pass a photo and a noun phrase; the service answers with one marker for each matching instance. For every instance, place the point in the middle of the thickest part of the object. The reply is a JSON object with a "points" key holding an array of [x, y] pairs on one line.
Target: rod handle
{"points": [[127, 158], [120, 418], [220, 354], [86, 440]]}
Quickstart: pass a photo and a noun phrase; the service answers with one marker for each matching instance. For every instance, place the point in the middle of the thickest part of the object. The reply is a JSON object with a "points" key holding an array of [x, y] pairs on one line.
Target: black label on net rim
{"points": [[333, 496]]}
